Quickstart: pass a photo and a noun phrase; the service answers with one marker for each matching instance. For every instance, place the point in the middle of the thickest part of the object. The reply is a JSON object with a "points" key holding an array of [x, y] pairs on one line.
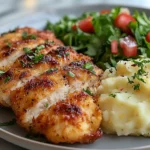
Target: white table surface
{"points": [[11, 9]]}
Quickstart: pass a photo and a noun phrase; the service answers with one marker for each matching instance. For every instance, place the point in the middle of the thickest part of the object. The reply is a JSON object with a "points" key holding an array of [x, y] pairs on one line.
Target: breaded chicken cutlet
{"points": [[50, 87]]}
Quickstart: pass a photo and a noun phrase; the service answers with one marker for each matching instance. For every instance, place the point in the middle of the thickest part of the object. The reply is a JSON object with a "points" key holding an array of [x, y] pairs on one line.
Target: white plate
{"points": [[16, 135]]}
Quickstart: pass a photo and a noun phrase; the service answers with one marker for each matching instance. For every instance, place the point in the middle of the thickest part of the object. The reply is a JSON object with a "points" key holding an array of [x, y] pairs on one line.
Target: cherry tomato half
{"points": [[85, 25], [122, 21], [129, 46]]}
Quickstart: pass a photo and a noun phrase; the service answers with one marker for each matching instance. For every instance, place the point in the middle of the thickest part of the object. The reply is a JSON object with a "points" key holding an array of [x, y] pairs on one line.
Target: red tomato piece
{"points": [[114, 47], [148, 37], [129, 46], [86, 25], [122, 21], [74, 27], [105, 11]]}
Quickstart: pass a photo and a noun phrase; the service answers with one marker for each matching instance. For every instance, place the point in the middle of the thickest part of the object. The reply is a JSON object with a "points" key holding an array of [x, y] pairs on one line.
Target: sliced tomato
{"points": [[129, 46], [122, 21], [114, 47], [86, 25], [148, 37], [105, 11]]}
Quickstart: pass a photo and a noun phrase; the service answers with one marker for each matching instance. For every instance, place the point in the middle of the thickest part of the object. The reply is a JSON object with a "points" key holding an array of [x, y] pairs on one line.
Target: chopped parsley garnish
{"points": [[38, 58], [8, 123], [25, 35], [112, 95], [32, 36], [137, 76], [71, 74], [46, 105], [51, 70], [130, 81], [67, 53], [33, 56], [136, 86], [49, 42], [89, 66], [38, 48], [1, 72], [88, 91], [7, 79], [27, 50], [9, 45]]}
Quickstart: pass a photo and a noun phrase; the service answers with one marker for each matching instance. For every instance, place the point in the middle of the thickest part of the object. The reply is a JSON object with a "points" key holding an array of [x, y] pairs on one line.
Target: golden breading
{"points": [[24, 69], [31, 33], [11, 51], [27, 97], [77, 119]]}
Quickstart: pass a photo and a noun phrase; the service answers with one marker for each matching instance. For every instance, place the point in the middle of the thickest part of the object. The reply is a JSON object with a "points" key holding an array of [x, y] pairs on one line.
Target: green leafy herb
{"points": [[136, 87], [46, 105], [8, 123], [38, 58], [32, 36], [88, 91], [112, 95], [51, 70], [38, 48], [71, 74], [137, 76], [25, 35], [49, 42], [7, 79], [27, 50], [130, 81], [1, 72], [67, 53], [89, 66], [9, 44], [34, 56]]}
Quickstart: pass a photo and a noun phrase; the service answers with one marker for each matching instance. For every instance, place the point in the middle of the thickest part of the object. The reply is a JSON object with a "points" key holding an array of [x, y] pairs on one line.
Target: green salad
{"points": [[107, 36]]}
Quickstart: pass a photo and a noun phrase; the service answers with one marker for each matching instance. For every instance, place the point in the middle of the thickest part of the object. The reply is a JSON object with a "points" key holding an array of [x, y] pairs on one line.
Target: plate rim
{"points": [[49, 145]]}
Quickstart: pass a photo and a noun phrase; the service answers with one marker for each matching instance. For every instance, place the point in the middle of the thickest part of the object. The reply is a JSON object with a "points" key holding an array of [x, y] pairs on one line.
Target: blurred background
{"points": [[15, 13], [29, 12], [11, 9]]}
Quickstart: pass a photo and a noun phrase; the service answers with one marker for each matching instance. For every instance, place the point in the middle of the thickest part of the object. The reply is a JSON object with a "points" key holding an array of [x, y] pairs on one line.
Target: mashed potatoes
{"points": [[125, 98]]}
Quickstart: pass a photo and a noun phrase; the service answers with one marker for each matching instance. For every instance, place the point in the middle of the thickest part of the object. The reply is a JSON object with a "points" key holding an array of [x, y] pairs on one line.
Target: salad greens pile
{"points": [[98, 44]]}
